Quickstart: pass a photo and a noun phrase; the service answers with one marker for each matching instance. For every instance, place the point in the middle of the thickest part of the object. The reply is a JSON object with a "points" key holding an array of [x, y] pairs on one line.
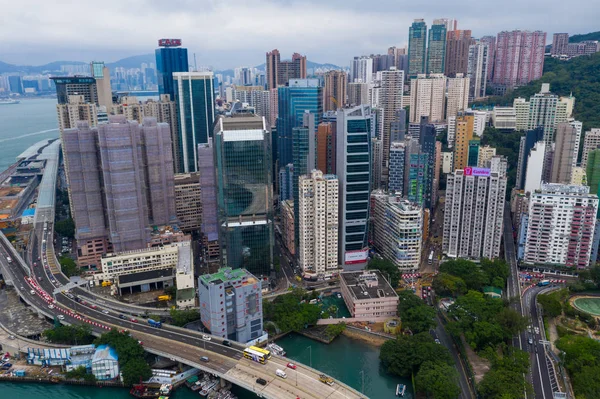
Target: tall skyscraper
{"points": [[334, 90], [318, 244], [560, 228], [75, 86], [170, 57], [416, 183], [534, 173], [457, 52], [519, 58], [361, 70], [208, 200], [194, 94], [477, 70], [591, 142], [358, 93], [436, 49], [491, 43], [325, 159], [458, 95], [279, 73], [398, 230], [397, 167], [547, 111], [245, 206], [354, 129], [417, 41], [120, 182], [427, 98], [188, 201], [74, 110], [464, 134], [427, 140], [560, 43], [102, 75], [301, 95], [473, 219], [566, 151], [390, 100]]}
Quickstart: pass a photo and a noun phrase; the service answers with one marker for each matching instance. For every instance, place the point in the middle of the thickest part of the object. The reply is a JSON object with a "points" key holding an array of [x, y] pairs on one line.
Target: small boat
{"points": [[208, 388], [8, 101], [278, 350], [400, 389]]}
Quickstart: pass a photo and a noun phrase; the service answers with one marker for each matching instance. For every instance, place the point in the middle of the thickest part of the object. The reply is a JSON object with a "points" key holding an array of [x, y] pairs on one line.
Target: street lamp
{"points": [[310, 355], [362, 374]]}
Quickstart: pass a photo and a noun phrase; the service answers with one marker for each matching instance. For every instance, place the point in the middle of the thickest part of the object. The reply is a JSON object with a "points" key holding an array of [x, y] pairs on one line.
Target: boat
{"points": [[150, 391], [400, 389], [278, 350], [208, 388], [8, 101]]}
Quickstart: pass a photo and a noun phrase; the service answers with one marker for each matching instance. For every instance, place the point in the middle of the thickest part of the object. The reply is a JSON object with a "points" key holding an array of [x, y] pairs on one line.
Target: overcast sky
{"points": [[229, 33]]}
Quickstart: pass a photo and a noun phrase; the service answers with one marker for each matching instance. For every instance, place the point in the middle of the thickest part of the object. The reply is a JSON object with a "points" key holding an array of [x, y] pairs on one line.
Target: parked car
{"points": [[206, 337]]}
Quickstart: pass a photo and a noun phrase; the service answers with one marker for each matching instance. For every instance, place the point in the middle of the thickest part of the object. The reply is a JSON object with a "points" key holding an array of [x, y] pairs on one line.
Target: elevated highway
{"points": [[34, 285]]}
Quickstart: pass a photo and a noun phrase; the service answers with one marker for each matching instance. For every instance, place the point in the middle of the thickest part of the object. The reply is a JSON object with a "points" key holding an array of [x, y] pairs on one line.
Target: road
{"points": [[442, 335], [541, 374], [185, 346]]}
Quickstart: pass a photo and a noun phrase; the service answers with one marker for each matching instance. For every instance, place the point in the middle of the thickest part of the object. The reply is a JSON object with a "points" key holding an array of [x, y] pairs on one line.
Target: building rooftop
{"points": [[367, 285], [228, 274], [28, 212], [105, 352]]}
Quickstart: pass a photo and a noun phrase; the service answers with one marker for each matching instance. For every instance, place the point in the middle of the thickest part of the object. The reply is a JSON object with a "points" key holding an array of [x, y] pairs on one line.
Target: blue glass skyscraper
{"points": [[169, 59]]}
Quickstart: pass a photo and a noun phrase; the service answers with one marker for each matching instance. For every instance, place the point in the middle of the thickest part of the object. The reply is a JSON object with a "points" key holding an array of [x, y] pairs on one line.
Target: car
{"points": [[93, 306], [226, 343], [261, 381], [60, 317], [437, 341], [133, 320], [11, 337], [206, 337], [105, 311], [122, 317], [141, 343], [292, 366], [50, 306], [34, 263], [204, 359], [32, 292], [530, 341]]}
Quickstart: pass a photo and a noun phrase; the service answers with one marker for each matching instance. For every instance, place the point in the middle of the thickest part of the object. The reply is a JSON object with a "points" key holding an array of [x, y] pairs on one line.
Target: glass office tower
{"points": [[244, 193], [194, 94], [169, 59]]}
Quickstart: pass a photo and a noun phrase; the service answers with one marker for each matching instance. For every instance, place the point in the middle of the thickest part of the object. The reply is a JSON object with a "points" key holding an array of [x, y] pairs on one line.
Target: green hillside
{"points": [[584, 37]]}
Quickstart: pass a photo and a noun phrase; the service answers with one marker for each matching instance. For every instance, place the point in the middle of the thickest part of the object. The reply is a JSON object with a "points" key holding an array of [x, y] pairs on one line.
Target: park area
{"points": [[588, 304]]}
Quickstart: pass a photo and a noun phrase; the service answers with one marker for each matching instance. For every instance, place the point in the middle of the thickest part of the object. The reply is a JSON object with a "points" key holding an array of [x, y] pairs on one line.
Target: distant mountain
{"points": [[133, 62], [309, 65], [51, 67], [587, 36]]}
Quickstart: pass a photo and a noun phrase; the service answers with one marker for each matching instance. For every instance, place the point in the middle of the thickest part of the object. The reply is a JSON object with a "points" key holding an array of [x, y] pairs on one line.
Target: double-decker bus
{"points": [[257, 354]]}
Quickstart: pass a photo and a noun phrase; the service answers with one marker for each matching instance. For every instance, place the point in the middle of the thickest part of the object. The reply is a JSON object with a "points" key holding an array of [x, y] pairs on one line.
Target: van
{"points": [[261, 381], [280, 373], [204, 359]]}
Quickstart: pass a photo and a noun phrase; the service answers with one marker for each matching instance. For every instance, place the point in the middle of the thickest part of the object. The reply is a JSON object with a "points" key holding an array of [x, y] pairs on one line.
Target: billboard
{"points": [[470, 171], [169, 42], [359, 256]]}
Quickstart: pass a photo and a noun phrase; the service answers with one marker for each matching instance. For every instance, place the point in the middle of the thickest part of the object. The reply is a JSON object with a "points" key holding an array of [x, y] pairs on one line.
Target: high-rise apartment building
{"points": [[74, 110], [165, 111], [390, 100], [398, 230], [361, 70], [458, 95], [560, 228], [301, 95], [334, 90], [427, 141], [101, 73], [75, 86], [560, 42], [463, 134], [546, 110], [566, 151], [208, 200], [358, 93], [519, 58], [477, 70], [457, 52], [255, 96], [288, 229], [491, 43], [325, 160], [188, 201], [120, 182], [354, 129], [485, 155], [245, 206], [591, 142], [417, 42], [279, 73], [318, 244], [416, 172], [534, 172], [397, 167], [474, 213], [194, 94], [170, 58], [436, 49], [427, 98], [231, 304]]}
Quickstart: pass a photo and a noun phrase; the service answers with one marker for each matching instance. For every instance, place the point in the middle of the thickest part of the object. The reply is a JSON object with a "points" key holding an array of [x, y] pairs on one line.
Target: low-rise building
{"points": [[368, 296], [188, 201], [231, 304], [105, 363], [184, 277]]}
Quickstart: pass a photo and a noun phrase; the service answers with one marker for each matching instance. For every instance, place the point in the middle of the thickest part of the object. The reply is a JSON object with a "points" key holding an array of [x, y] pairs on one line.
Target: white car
{"points": [[50, 306], [60, 317], [206, 337], [105, 312]]}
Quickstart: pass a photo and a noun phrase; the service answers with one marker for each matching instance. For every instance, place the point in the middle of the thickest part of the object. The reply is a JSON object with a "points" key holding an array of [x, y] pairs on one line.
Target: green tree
{"points": [[551, 305], [291, 312], [78, 334], [437, 380], [470, 272], [65, 228], [68, 266], [418, 319], [404, 355], [387, 268], [181, 317], [333, 330], [586, 382], [447, 284], [135, 370], [408, 300], [505, 378]]}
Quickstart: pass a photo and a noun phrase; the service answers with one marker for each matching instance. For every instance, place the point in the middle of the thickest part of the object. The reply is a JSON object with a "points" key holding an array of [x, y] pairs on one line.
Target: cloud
{"points": [[225, 34]]}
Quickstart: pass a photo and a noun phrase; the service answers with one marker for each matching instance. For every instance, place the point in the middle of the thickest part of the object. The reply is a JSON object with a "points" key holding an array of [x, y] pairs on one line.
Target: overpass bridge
{"points": [[170, 342]]}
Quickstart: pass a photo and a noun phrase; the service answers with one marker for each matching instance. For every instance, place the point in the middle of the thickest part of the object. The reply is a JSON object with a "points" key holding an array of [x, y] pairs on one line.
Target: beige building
{"points": [[591, 142], [485, 155], [334, 90], [318, 223], [287, 225], [578, 176], [390, 100], [566, 150], [447, 162], [358, 93], [427, 97], [504, 118], [188, 202], [464, 134], [521, 107], [458, 95], [76, 110], [368, 296]]}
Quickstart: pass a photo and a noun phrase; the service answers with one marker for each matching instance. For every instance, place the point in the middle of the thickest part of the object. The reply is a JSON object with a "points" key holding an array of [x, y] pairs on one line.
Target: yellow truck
{"points": [[164, 298]]}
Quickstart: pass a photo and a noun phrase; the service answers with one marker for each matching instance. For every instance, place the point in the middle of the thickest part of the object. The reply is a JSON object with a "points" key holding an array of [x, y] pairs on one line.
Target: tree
{"points": [[511, 322], [182, 317], [551, 305], [65, 228], [419, 319], [135, 370], [586, 382], [471, 273], [447, 284], [290, 312], [387, 268], [438, 380], [505, 378], [404, 355], [68, 266], [408, 300], [80, 334], [333, 330]]}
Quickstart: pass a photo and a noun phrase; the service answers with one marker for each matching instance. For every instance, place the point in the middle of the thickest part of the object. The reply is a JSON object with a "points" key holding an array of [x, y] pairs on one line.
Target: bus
{"points": [[257, 354], [544, 283], [430, 261]]}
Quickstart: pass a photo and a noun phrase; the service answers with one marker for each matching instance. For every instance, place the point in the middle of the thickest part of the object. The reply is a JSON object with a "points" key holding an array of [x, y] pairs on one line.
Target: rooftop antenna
{"points": [[195, 64]]}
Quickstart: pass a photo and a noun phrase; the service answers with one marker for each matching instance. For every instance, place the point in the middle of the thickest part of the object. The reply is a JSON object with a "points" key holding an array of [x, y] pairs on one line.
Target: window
{"points": [[358, 177], [358, 138], [357, 158], [357, 197], [352, 149], [357, 168]]}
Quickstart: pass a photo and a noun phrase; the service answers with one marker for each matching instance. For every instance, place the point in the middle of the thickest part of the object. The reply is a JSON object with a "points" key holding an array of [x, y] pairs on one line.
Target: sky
{"points": [[230, 33]]}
